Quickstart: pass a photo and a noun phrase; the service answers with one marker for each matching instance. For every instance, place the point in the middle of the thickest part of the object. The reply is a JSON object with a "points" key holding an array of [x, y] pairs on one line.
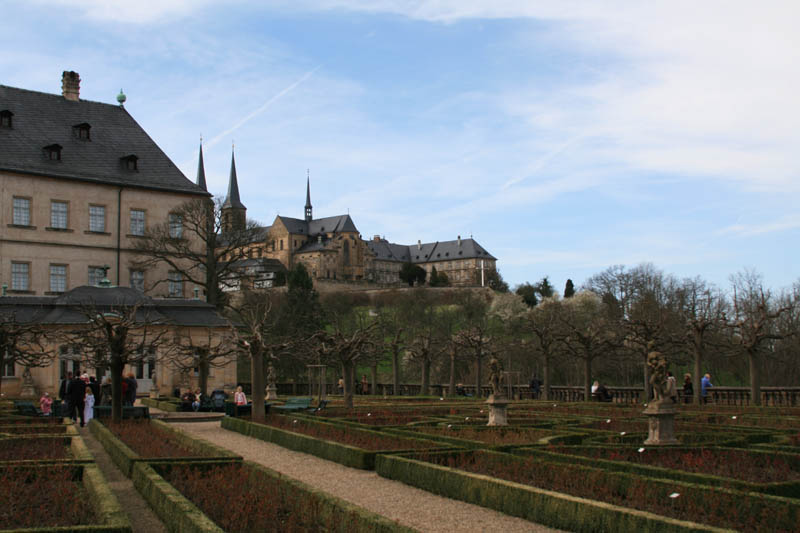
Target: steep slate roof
{"points": [[42, 119], [319, 225], [427, 252], [232, 200], [67, 308]]}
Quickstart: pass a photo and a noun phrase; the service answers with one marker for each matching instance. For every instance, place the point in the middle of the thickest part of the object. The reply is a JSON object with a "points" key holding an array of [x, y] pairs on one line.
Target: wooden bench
{"points": [[295, 404]]}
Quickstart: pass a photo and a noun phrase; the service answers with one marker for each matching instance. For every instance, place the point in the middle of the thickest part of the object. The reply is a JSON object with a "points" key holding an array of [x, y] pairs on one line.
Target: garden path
{"points": [[143, 519], [407, 505]]}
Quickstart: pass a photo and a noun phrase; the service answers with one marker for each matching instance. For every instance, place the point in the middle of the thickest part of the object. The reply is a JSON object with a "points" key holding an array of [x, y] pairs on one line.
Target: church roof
{"points": [[41, 119], [233, 200], [428, 252], [336, 224]]}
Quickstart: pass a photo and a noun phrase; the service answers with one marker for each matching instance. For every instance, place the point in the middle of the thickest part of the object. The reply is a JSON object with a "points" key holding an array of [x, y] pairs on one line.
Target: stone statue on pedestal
{"points": [[661, 410], [497, 402], [28, 389], [272, 390]]}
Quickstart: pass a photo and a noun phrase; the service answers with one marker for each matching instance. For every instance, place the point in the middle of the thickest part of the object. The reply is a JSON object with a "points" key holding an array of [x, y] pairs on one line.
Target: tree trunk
{"points": [[395, 371], [374, 387], [755, 378], [116, 387], [453, 373], [204, 367], [587, 379], [257, 379], [696, 379], [426, 377], [648, 392], [546, 377], [348, 368], [478, 377], [2, 364]]}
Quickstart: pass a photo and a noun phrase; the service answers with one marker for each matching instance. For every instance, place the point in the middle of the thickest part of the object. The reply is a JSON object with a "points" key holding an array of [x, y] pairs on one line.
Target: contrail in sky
{"points": [[538, 165], [261, 109]]}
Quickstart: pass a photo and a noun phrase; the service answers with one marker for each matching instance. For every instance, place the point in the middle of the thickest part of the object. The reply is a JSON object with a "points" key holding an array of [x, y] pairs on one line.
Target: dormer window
{"points": [[81, 131], [130, 162], [5, 118], [53, 152]]}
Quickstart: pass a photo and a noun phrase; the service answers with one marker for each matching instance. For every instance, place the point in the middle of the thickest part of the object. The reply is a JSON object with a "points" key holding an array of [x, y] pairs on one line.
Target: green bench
{"points": [[231, 409], [26, 408], [294, 404]]}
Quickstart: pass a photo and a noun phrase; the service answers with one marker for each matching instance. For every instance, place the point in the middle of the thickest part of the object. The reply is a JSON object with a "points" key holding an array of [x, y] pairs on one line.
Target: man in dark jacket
{"points": [[76, 391], [62, 395]]}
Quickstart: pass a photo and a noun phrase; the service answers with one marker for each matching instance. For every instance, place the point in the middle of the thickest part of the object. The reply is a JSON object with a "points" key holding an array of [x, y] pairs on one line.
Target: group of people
{"points": [[80, 392], [688, 388], [362, 387]]}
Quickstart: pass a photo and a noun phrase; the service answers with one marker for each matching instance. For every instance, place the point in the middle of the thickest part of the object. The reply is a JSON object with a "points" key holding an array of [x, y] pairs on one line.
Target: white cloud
{"points": [[137, 12]]}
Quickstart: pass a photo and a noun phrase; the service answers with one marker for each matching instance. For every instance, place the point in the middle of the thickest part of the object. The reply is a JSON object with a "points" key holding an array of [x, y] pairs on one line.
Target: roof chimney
{"points": [[419, 244], [376, 238], [459, 240], [70, 85]]}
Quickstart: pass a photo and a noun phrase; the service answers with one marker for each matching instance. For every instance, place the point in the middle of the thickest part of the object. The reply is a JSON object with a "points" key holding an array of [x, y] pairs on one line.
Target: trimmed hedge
{"points": [[109, 515], [180, 514], [789, 489], [125, 458], [546, 507], [332, 451]]}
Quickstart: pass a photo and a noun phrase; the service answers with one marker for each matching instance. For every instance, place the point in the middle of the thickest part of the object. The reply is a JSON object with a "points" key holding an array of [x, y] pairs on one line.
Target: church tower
{"points": [[234, 213], [201, 170], [308, 199]]}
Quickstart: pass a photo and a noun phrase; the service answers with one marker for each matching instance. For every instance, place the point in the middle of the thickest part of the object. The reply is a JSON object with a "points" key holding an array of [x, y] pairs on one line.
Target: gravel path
{"points": [[409, 506]]}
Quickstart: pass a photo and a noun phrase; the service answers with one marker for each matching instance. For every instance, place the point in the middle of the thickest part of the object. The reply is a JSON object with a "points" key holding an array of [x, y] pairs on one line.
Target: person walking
{"points": [[88, 406], [239, 397], [105, 391], [536, 387], [63, 396], [705, 384], [76, 390], [688, 388]]}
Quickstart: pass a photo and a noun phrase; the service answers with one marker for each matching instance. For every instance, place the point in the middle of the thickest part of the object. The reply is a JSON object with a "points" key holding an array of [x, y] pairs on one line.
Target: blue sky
{"points": [[566, 136]]}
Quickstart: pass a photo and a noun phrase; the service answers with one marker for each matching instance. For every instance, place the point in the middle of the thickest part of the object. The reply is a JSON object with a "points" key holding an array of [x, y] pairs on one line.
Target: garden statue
{"points": [[661, 410], [28, 389], [497, 402], [272, 390]]}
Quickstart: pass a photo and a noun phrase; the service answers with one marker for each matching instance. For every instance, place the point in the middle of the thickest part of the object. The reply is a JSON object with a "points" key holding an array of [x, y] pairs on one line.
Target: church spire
{"points": [[201, 170], [234, 213], [308, 196], [232, 200]]}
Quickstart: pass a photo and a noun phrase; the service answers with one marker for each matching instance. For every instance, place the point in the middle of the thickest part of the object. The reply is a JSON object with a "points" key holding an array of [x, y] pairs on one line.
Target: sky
{"points": [[565, 137]]}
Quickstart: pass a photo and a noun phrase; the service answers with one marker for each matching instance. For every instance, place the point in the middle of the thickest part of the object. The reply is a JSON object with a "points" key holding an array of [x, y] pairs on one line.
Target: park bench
{"points": [[128, 411], [26, 408], [295, 404]]}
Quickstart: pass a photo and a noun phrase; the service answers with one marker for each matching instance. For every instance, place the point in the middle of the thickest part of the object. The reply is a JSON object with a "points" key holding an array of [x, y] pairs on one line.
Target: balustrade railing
{"points": [[770, 396]]}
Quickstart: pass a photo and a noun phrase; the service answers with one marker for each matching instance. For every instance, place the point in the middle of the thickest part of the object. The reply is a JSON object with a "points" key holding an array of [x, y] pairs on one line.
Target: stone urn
{"points": [[497, 411], [661, 423], [272, 392]]}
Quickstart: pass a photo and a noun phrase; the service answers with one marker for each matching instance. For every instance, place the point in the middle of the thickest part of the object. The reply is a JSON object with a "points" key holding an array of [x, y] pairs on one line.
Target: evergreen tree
{"points": [[528, 293], [545, 288], [569, 289]]}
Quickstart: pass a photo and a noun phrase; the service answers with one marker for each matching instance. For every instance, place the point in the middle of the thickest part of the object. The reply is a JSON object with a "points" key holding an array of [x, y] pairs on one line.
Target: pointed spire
{"points": [[308, 195], [201, 169], [232, 200]]}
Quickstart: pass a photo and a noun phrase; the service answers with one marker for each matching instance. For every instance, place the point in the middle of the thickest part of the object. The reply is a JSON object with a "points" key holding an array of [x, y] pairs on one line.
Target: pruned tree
{"points": [[754, 322], [474, 339], [23, 340], [193, 244], [211, 349], [392, 332], [584, 332], [123, 332], [426, 339], [543, 322]]}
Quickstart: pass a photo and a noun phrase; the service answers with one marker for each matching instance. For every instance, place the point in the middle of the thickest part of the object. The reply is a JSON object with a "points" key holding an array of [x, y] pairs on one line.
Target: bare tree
{"points": [[543, 322], [345, 347], [474, 339], [23, 341], [203, 352], [754, 322], [392, 333], [585, 332]]}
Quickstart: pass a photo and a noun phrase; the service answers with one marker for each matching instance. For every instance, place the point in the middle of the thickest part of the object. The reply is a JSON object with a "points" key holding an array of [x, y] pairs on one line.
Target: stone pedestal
{"points": [[661, 424], [272, 392], [497, 411]]}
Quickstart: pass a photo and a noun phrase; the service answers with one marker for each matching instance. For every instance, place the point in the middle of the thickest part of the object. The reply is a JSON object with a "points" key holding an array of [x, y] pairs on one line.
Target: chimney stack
{"points": [[70, 85], [459, 240], [419, 244]]}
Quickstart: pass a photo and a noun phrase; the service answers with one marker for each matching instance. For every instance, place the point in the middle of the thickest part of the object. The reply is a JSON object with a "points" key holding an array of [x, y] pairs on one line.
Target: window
{"points": [[8, 368], [58, 278], [22, 211], [20, 276], [281, 244], [53, 152], [175, 285], [81, 131], [5, 118], [130, 162], [97, 218], [58, 214], [69, 360], [137, 222], [96, 275], [137, 280], [175, 226]]}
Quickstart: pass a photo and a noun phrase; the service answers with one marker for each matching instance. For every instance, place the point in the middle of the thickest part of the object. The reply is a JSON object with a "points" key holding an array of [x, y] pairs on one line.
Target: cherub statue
{"points": [[496, 377], [663, 388], [270, 375]]}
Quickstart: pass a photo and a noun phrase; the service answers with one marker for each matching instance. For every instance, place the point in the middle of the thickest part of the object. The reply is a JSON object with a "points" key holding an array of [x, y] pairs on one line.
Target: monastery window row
{"points": [[58, 276]]}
